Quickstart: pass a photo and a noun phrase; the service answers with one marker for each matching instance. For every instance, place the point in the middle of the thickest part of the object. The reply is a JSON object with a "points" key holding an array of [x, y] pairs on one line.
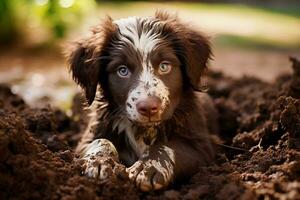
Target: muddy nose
{"points": [[149, 106]]}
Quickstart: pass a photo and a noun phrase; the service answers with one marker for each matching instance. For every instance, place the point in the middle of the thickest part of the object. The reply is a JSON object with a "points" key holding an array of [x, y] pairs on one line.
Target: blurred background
{"points": [[249, 37]]}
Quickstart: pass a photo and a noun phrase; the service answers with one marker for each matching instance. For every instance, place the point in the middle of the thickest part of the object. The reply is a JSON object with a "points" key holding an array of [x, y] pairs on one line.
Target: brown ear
{"points": [[85, 69], [198, 52], [86, 58], [192, 47]]}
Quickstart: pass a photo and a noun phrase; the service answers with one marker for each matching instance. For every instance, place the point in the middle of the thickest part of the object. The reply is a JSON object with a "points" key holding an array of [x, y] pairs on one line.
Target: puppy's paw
{"points": [[153, 174], [98, 167], [100, 158]]}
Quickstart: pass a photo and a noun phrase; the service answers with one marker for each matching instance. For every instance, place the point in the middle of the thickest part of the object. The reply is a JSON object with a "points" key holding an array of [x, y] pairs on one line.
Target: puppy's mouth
{"points": [[148, 123]]}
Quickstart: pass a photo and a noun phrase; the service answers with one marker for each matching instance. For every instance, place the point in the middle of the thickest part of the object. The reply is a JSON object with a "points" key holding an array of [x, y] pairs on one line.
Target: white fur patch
{"points": [[149, 85], [170, 153], [137, 145], [168, 170], [146, 42]]}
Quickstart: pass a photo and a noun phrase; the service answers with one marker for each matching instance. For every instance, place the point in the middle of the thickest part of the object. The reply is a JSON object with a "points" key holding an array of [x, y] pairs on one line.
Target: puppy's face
{"points": [[144, 78], [142, 65]]}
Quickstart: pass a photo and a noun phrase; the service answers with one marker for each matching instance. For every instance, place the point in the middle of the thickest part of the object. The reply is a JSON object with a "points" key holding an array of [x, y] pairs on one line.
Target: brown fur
{"points": [[195, 51], [88, 56], [188, 121]]}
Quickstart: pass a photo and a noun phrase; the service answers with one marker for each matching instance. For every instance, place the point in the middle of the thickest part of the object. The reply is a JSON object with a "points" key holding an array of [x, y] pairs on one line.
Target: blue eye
{"points": [[164, 67], [123, 71]]}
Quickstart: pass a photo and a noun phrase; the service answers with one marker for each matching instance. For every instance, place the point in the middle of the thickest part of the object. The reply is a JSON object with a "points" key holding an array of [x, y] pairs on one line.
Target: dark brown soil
{"points": [[260, 157]]}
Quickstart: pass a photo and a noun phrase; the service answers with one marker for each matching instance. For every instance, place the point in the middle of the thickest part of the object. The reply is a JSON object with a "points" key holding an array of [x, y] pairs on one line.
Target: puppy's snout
{"points": [[149, 106]]}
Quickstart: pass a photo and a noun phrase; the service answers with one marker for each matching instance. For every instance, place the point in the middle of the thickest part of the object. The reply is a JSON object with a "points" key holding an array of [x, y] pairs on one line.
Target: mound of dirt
{"points": [[37, 160], [260, 157]]}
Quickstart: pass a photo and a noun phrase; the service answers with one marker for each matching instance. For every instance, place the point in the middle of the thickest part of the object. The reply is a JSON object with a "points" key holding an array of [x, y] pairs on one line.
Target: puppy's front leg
{"points": [[155, 170], [99, 158], [162, 164]]}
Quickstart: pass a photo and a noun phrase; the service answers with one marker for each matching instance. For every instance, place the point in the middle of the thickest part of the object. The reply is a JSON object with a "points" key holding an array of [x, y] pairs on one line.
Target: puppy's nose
{"points": [[149, 106]]}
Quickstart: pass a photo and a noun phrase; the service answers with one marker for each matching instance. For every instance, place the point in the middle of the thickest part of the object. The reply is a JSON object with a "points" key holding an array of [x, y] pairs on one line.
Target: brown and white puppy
{"points": [[140, 75]]}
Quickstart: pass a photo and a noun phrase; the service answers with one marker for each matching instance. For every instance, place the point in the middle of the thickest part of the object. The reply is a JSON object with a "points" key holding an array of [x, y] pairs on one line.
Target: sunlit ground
{"points": [[245, 40]]}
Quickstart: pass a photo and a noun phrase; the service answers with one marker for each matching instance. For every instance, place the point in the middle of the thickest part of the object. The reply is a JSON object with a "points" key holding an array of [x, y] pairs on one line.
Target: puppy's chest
{"points": [[136, 140]]}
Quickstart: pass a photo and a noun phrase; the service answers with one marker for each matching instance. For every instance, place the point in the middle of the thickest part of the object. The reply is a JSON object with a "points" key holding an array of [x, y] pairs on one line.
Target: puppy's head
{"points": [[142, 65]]}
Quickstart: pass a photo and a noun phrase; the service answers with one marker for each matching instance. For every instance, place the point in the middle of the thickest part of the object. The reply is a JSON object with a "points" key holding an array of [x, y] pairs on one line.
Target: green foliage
{"points": [[53, 17], [8, 23]]}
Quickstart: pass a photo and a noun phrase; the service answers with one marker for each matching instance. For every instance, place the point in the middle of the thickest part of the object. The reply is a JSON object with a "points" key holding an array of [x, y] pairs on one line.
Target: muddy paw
{"points": [[100, 158], [151, 174], [98, 167]]}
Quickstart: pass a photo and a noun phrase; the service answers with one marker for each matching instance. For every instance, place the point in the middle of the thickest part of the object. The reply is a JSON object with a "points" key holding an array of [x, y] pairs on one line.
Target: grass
{"points": [[254, 43], [228, 24]]}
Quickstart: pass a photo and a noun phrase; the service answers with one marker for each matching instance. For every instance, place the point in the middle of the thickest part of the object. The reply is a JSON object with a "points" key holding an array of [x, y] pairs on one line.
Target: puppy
{"points": [[140, 76]]}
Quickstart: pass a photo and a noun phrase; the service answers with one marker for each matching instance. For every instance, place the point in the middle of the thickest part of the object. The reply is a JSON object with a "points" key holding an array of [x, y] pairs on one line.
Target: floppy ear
{"points": [[192, 47], [85, 58], [198, 52], [85, 69]]}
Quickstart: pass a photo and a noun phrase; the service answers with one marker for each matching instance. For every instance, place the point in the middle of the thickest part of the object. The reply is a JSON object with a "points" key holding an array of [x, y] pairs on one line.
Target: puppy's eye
{"points": [[123, 71], [165, 67]]}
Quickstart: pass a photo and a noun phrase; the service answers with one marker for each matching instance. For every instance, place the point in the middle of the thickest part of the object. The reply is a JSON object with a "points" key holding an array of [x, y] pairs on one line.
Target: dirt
{"points": [[259, 159]]}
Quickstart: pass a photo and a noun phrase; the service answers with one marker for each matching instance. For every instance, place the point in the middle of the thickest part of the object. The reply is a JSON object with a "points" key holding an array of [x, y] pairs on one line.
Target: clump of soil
{"points": [[37, 160], [259, 159]]}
